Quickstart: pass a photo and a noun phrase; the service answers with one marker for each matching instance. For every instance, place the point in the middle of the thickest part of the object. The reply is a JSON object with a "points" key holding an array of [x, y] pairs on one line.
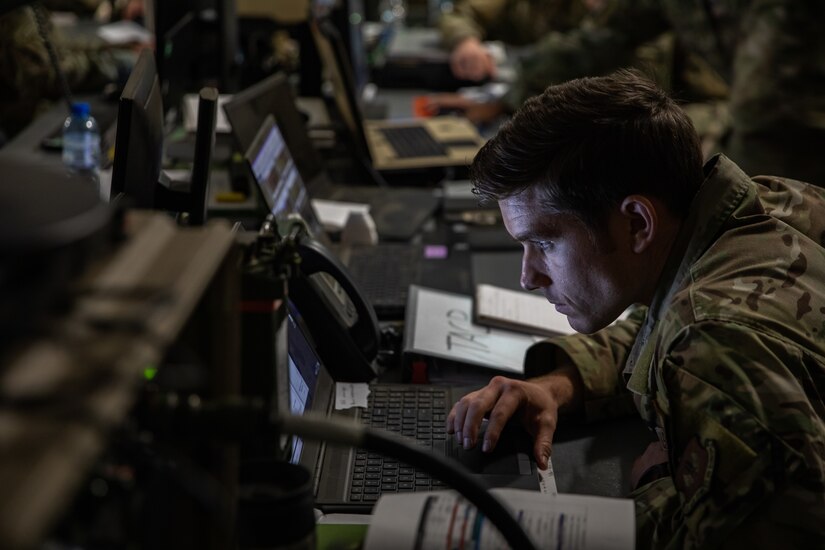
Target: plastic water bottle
{"points": [[81, 141]]}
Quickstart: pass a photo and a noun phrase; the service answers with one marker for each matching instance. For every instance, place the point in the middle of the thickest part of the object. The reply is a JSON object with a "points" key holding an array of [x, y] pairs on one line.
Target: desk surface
{"points": [[587, 459]]}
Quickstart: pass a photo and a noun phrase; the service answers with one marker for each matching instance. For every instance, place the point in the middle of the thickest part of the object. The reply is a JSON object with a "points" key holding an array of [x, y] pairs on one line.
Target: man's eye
{"points": [[543, 245]]}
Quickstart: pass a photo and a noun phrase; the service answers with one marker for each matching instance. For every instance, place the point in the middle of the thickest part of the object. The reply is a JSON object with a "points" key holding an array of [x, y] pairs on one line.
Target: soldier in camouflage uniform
{"points": [[769, 53], [515, 22], [29, 85], [601, 179]]}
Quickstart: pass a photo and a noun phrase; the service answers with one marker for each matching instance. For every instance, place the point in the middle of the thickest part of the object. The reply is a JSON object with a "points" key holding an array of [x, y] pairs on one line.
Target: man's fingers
{"points": [[472, 65], [455, 420], [542, 448], [503, 410], [475, 415]]}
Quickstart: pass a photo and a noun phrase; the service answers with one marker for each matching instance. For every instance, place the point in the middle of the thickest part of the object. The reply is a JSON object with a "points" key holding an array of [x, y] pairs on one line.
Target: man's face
{"points": [[589, 282]]}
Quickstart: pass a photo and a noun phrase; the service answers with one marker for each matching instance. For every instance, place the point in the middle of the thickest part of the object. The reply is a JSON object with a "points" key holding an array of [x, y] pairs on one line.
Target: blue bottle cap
{"points": [[81, 108]]}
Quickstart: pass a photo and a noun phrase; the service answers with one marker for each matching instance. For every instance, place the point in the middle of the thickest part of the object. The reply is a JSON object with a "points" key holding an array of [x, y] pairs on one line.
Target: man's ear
{"points": [[643, 221]]}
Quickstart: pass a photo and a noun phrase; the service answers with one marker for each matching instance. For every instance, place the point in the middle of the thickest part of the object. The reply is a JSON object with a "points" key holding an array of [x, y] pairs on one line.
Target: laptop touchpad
{"points": [[510, 457]]}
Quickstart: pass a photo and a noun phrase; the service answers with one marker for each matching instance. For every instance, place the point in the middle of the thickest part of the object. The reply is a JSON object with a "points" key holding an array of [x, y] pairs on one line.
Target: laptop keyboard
{"points": [[418, 413], [384, 273], [413, 141]]}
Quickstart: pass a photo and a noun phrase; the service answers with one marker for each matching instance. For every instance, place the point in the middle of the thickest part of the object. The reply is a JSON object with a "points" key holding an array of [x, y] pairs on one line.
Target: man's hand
{"points": [[470, 60], [476, 112], [537, 401], [133, 9]]}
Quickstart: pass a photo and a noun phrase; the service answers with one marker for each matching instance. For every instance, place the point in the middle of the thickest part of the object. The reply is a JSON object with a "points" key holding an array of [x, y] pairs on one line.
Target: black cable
{"points": [[355, 435], [237, 419], [40, 18]]}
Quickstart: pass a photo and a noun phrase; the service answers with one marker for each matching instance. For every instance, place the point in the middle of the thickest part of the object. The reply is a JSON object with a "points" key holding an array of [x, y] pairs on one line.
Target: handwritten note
{"points": [[444, 327]]}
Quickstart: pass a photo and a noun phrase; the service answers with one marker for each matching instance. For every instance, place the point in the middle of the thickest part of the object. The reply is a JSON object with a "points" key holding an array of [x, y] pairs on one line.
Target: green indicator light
{"points": [[149, 373]]}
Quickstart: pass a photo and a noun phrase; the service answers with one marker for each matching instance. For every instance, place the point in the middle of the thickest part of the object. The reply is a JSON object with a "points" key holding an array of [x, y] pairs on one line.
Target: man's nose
{"points": [[533, 275]]}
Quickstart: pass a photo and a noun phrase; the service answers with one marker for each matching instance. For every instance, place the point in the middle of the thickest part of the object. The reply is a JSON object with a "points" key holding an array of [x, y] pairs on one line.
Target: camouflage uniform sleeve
{"points": [[600, 358], [597, 47], [81, 7], [740, 435], [469, 18], [26, 71]]}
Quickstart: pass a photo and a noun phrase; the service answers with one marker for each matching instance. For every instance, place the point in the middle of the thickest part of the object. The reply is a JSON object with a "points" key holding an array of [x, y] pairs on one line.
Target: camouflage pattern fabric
{"points": [[29, 83], [769, 53], [516, 22], [80, 7], [728, 363]]}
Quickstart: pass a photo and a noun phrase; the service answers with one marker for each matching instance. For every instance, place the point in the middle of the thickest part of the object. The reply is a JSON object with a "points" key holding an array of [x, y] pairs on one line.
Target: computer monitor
{"points": [[177, 71], [136, 172], [273, 96], [348, 18], [204, 147], [139, 139], [334, 58], [277, 177], [213, 56], [275, 171]]}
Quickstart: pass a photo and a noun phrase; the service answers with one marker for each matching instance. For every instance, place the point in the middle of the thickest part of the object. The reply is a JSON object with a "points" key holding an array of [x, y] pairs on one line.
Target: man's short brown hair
{"points": [[591, 142]]}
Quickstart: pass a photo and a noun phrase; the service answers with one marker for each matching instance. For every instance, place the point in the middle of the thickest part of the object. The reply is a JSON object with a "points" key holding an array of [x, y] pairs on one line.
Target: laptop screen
{"points": [[275, 171], [277, 176], [304, 374]]}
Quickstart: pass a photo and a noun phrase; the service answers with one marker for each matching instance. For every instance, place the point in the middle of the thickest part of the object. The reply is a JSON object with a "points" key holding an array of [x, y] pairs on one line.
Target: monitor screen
{"points": [[304, 370], [276, 173], [139, 139]]}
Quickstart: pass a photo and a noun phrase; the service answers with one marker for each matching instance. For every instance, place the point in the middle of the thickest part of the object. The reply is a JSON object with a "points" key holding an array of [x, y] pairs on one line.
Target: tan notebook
{"points": [[518, 311]]}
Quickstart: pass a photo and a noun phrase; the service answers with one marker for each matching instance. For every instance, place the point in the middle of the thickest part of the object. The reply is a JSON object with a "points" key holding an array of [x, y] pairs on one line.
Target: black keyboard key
{"points": [[413, 414], [413, 142]]}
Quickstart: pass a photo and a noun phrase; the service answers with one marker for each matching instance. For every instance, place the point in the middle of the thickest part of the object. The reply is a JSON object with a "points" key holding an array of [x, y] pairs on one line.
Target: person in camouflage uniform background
{"points": [[29, 85], [601, 179], [766, 56], [514, 22]]}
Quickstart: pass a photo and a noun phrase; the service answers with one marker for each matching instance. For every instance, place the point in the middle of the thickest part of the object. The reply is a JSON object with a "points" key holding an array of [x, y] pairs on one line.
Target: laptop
{"points": [[351, 480], [384, 271], [273, 95], [392, 145], [398, 212]]}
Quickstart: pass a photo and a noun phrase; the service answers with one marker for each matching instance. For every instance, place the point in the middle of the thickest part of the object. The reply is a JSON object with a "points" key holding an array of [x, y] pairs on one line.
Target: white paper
{"points": [[190, 113], [547, 480], [348, 395], [124, 32], [342, 519], [526, 312], [445, 520], [444, 327], [334, 214]]}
